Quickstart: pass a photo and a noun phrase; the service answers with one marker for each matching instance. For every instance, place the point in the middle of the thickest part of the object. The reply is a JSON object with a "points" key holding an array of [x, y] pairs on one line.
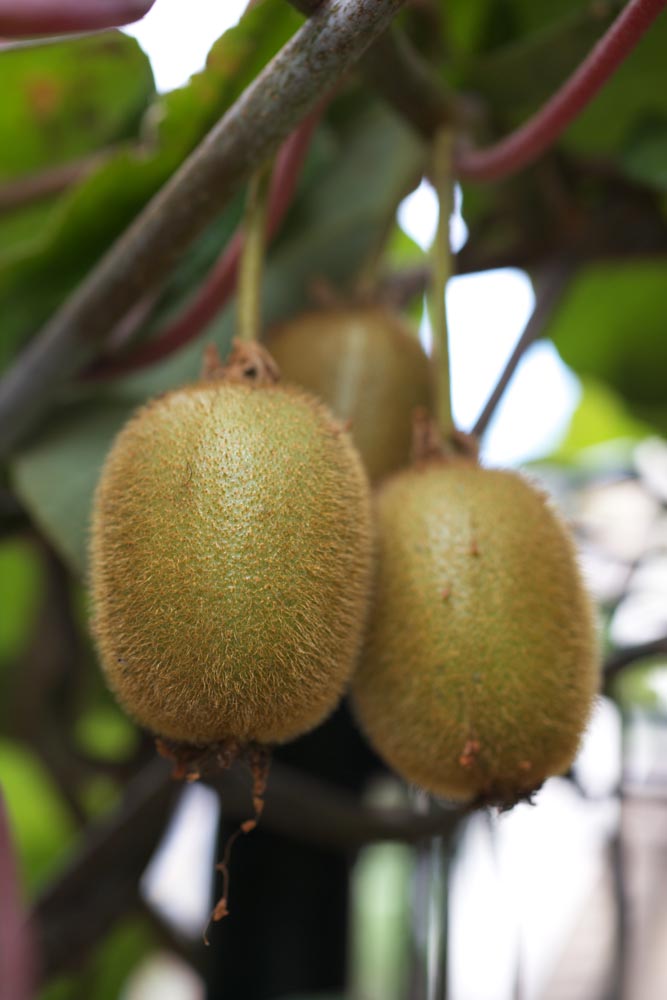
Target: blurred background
{"points": [[561, 900]]}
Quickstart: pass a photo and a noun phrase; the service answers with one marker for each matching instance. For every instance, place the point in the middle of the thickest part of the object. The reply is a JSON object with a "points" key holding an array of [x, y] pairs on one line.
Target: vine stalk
{"points": [[249, 298], [441, 175]]}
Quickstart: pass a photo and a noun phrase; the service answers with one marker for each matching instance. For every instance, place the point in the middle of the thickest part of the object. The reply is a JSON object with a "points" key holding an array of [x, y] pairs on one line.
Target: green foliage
{"points": [[41, 826], [69, 98], [108, 969], [89, 217], [103, 731], [611, 326], [600, 417], [642, 687], [20, 589], [56, 475]]}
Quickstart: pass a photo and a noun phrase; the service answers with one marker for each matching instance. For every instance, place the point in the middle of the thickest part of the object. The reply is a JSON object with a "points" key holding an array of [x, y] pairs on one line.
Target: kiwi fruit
{"points": [[367, 365], [480, 668], [230, 563]]}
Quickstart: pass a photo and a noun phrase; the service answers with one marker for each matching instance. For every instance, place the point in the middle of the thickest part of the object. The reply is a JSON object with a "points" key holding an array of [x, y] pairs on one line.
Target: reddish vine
{"points": [[41, 17], [528, 142]]}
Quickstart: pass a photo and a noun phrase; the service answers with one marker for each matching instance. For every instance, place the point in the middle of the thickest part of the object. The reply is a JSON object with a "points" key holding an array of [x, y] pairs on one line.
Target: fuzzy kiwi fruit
{"points": [[230, 563], [480, 668], [368, 366]]}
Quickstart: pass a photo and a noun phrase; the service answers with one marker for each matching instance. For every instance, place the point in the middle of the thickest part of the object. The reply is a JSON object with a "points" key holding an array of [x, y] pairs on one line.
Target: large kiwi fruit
{"points": [[480, 668], [230, 563]]}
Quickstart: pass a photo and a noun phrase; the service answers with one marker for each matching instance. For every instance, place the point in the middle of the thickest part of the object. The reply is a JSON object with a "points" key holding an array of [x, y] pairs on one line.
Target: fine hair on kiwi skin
{"points": [[480, 668], [365, 362], [230, 562]]}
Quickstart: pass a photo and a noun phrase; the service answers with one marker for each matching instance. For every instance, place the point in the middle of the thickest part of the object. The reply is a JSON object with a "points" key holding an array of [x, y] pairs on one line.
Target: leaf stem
{"points": [[249, 295], [441, 176], [534, 137]]}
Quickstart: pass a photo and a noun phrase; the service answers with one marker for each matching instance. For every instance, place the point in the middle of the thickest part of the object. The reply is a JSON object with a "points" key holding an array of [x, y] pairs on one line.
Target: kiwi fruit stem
{"points": [[441, 254], [249, 298]]}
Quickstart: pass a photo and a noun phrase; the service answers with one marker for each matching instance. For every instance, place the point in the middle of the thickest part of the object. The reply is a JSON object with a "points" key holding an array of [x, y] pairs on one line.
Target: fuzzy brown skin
{"points": [[480, 669], [230, 564], [366, 364]]}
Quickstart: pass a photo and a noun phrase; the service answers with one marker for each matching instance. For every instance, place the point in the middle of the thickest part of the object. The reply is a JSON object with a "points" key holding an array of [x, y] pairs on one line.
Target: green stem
{"points": [[249, 296], [441, 176]]}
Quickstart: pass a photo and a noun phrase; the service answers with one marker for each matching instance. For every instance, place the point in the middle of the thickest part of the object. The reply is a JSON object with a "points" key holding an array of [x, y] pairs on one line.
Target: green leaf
{"points": [[69, 98], [120, 954], [340, 215], [315, 996], [56, 475], [105, 973], [103, 731], [644, 154], [600, 417], [517, 77], [88, 219], [611, 326], [635, 94], [642, 686], [20, 590], [41, 827]]}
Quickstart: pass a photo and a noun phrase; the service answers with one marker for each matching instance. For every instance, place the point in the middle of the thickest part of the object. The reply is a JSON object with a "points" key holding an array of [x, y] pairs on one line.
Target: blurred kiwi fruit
{"points": [[366, 363]]}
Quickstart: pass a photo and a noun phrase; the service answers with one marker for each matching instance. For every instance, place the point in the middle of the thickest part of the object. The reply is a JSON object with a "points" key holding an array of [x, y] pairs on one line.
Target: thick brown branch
{"points": [[549, 293], [406, 81], [102, 881], [307, 809], [251, 131]]}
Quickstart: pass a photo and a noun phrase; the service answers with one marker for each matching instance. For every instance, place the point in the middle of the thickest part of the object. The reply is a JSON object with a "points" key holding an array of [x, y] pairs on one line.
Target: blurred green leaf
{"points": [[95, 212], [120, 954], [69, 98], [644, 153], [634, 95], [20, 591], [516, 77], [380, 915], [612, 326], [56, 476], [600, 416], [402, 251], [337, 221], [103, 731], [41, 825], [315, 996], [108, 968], [643, 686]]}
